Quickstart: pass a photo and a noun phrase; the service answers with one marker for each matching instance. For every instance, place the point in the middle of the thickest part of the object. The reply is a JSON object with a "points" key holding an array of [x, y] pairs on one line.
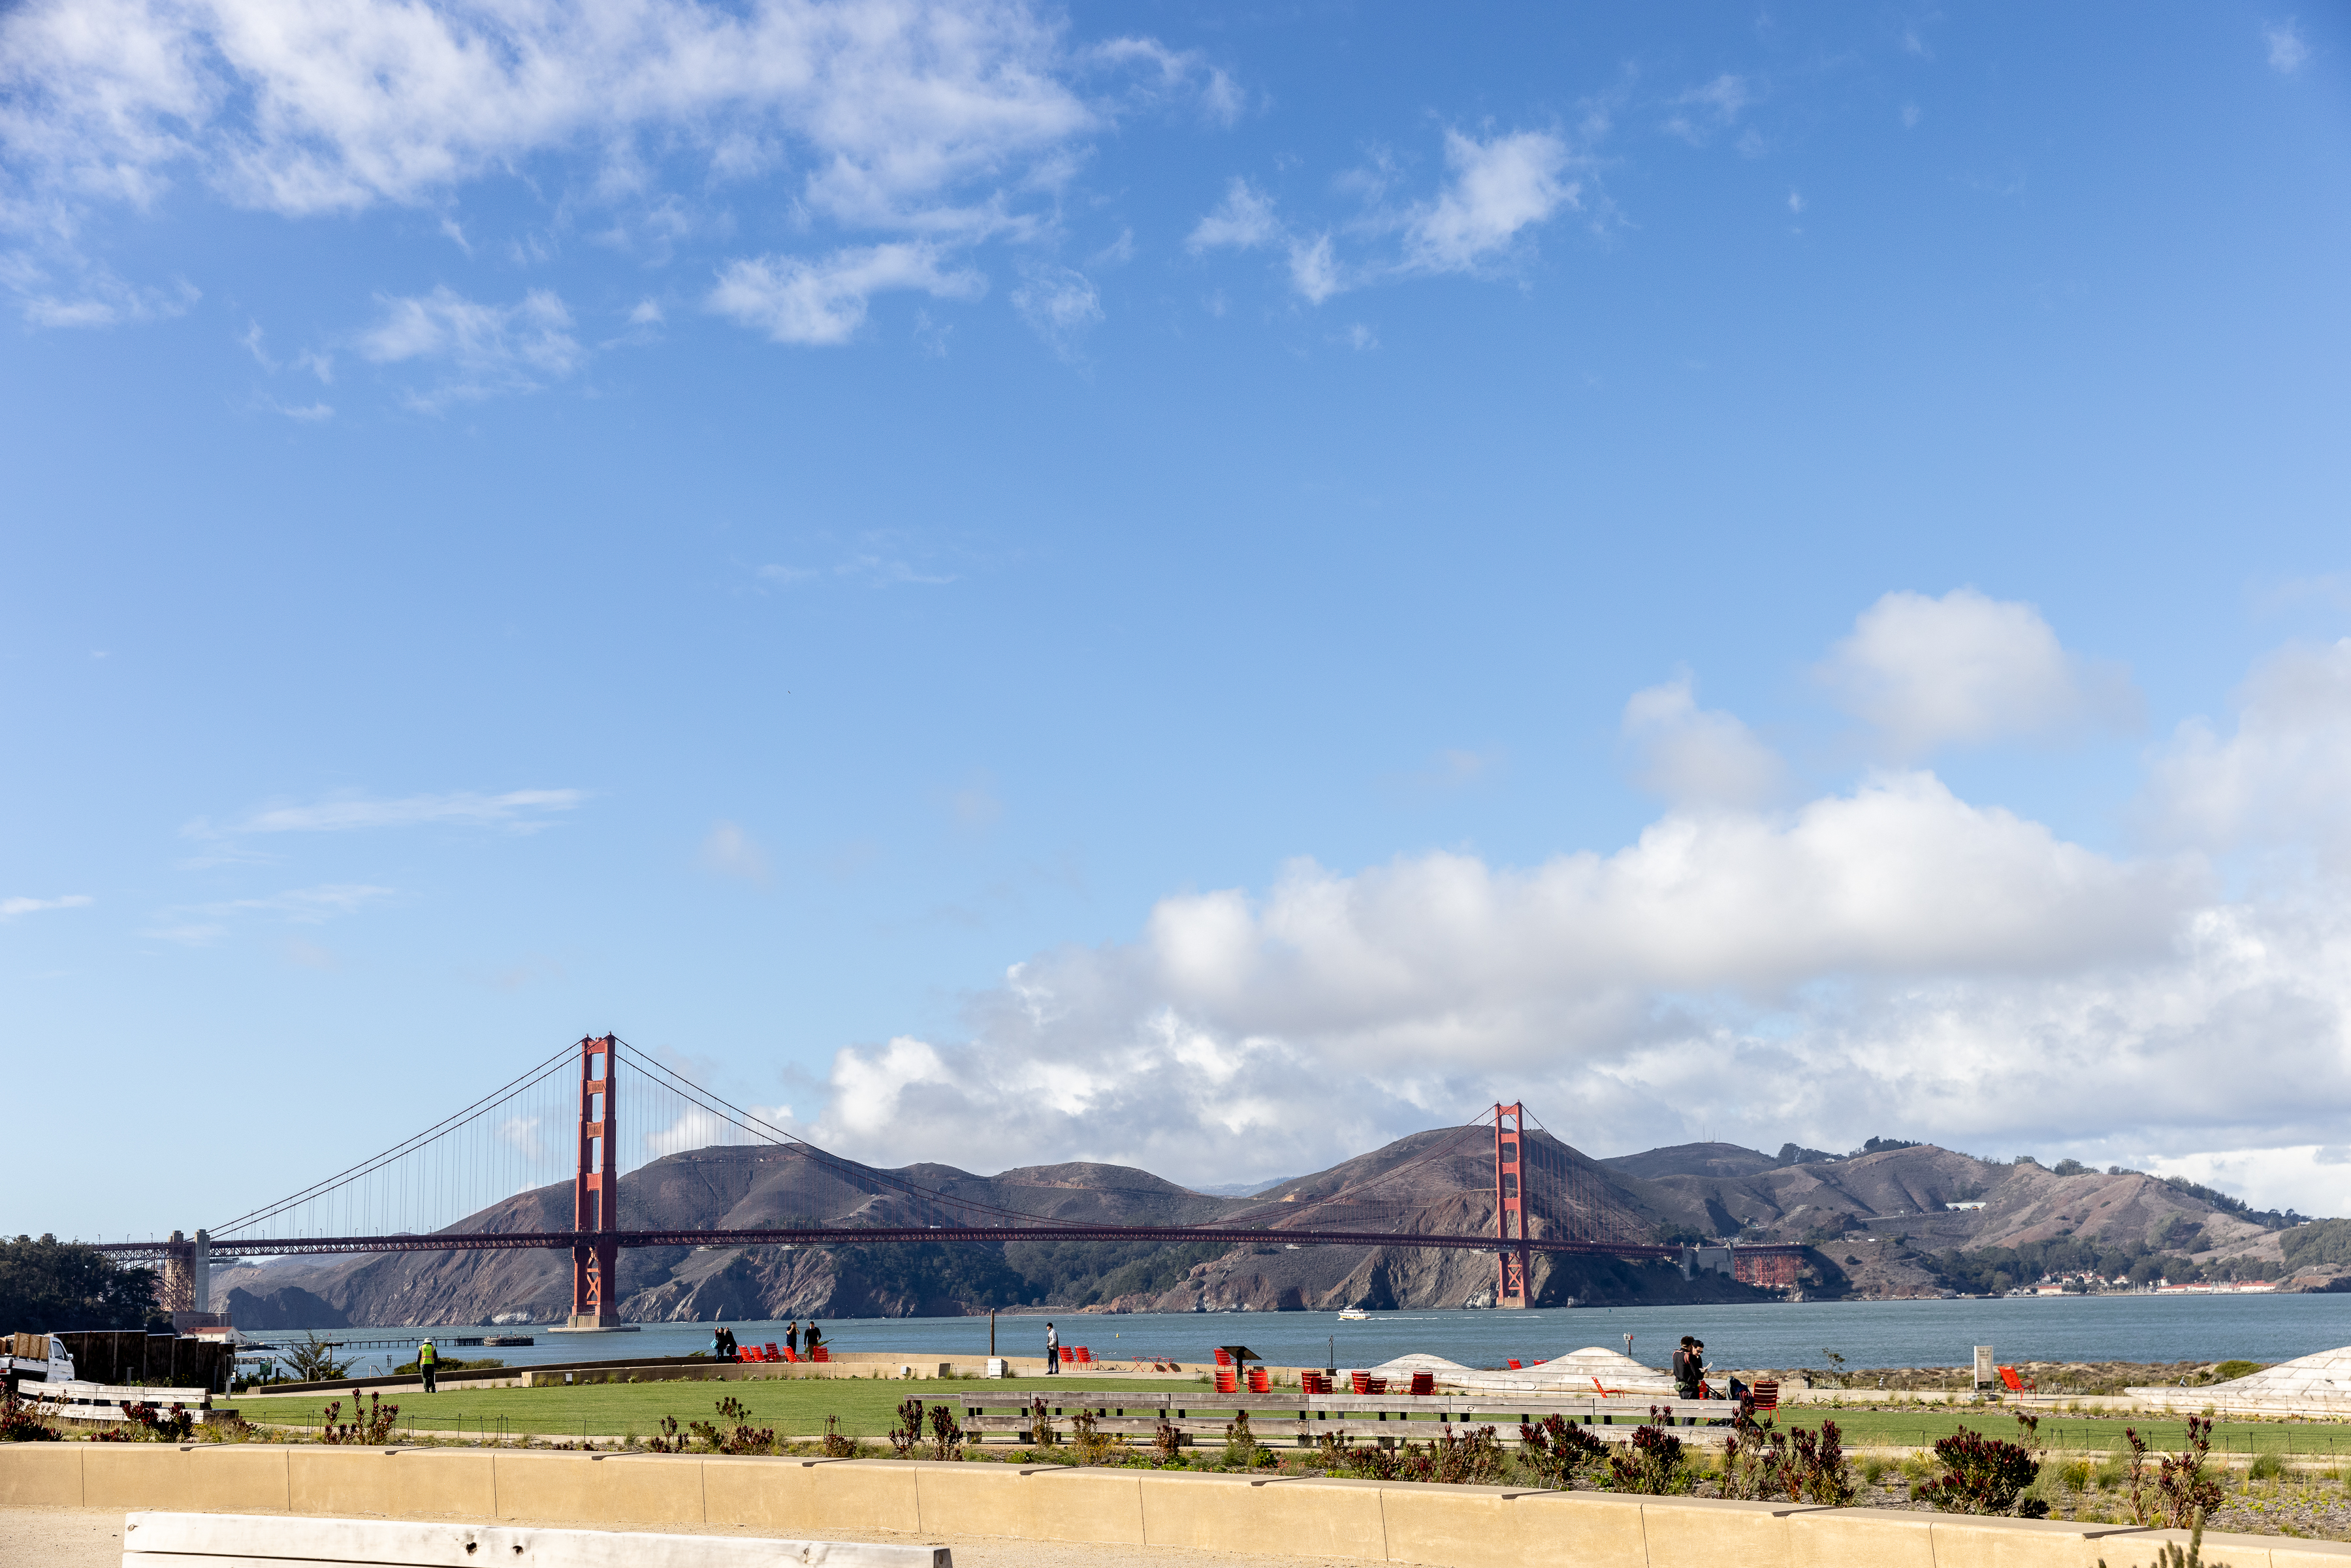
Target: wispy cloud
{"points": [[488, 347], [1061, 305], [201, 924], [1495, 191], [2288, 50], [1715, 106], [516, 811], [823, 302], [10, 908], [731, 851]]}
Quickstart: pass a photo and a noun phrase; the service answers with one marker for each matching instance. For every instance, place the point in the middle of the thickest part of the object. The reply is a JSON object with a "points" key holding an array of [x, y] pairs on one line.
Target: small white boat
{"points": [[1354, 1315]]}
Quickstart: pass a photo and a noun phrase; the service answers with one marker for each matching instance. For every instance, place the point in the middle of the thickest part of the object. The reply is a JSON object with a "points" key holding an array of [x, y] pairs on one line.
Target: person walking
{"points": [[1052, 1349], [812, 1341], [428, 1363]]}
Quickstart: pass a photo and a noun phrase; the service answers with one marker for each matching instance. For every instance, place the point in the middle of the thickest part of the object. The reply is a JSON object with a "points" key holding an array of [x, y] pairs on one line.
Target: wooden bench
{"points": [[1305, 1419], [104, 1401], [215, 1540]]}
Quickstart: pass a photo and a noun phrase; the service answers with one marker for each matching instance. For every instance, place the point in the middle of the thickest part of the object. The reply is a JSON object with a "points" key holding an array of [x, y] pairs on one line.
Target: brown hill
{"points": [[1880, 1223]]}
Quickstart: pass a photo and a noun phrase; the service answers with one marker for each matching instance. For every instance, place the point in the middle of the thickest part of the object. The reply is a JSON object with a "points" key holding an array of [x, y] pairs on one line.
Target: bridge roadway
{"points": [[518, 1240]]}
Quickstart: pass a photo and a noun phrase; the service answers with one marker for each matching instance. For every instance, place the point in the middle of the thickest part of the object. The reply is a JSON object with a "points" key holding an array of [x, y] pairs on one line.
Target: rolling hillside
{"points": [[1878, 1223]]}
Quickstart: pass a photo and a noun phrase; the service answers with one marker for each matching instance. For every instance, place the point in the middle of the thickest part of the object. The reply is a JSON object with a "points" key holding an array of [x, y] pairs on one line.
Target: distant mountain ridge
{"points": [[1878, 1223]]}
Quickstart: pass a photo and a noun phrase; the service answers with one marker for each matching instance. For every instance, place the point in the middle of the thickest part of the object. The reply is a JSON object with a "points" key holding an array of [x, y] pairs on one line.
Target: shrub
{"points": [[2170, 1555], [1816, 1472], [2183, 1491], [1555, 1449], [1981, 1475], [733, 1433], [1473, 1459], [947, 1433], [370, 1425], [2229, 1371], [1242, 1450], [907, 1435], [23, 1422], [1752, 1456], [836, 1446], [1040, 1427], [2266, 1467], [1655, 1466], [1166, 1441]]}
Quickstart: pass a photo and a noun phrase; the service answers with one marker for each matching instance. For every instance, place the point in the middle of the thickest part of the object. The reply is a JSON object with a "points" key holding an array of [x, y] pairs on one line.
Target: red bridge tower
{"points": [[1511, 1203], [596, 1192]]}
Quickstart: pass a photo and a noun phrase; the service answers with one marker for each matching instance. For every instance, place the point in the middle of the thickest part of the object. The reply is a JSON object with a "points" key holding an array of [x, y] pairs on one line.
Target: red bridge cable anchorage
{"points": [[407, 1146]]}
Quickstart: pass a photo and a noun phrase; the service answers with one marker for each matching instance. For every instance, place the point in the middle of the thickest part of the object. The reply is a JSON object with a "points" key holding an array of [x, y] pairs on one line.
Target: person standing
{"points": [[1052, 1349], [428, 1363], [722, 1345], [812, 1341], [792, 1337]]}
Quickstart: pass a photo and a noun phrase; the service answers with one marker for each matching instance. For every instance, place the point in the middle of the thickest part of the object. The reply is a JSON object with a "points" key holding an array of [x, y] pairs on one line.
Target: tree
{"points": [[50, 1286]]}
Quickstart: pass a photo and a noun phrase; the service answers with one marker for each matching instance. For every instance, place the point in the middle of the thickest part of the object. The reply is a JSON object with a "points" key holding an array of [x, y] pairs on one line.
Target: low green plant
{"points": [[2229, 1371], [1653, 1465], [1555, 1449], [1981, 1475], [2266, 1467], [1242, 1450], [370, 1425]]}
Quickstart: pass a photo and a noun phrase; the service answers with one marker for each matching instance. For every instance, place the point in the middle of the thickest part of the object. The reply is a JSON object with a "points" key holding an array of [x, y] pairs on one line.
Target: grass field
{"points": [[795, 1408], [869, 1409]]}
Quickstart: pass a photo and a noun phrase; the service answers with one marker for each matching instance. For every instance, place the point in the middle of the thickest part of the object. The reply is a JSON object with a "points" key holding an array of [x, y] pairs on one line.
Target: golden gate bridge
{"points": [[486, 1162]]}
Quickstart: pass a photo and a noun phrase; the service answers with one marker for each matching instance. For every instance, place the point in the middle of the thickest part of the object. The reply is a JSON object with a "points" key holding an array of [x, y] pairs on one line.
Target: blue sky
{"points": [[1191, 585]]}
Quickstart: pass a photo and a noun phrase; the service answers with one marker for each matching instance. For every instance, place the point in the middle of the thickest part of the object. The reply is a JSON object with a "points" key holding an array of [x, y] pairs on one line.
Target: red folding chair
{"points": [[771, 1353]]}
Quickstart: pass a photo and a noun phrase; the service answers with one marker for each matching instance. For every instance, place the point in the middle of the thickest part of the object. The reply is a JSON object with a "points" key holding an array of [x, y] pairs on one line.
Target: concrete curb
{"points": [[1371, 1521]]}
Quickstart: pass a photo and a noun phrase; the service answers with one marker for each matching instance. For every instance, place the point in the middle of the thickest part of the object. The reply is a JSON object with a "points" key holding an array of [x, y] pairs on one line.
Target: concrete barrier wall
{"points": [[1358, 1520]]}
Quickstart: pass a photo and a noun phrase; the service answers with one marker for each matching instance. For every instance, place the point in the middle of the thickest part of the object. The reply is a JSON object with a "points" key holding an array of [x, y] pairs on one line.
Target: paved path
{"points": [[92, 1538]]}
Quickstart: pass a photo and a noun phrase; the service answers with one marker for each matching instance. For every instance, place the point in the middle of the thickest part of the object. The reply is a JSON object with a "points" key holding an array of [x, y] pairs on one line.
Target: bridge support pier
{"points": [[596, 1192]]}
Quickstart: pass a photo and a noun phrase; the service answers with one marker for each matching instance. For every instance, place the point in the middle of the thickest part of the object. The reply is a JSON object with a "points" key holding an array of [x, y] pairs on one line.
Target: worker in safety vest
{"points": [[428, 1362]]}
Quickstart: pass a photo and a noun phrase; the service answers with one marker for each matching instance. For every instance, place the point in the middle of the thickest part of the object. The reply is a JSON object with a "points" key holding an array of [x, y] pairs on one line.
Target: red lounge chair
{"points": [[822, 1352], [1225, 1384], [1259, 1383], [1424, 1383], [1514, 1365], [1766, 1393], [772, 1354], [2008, 1375], [789, 1354]]}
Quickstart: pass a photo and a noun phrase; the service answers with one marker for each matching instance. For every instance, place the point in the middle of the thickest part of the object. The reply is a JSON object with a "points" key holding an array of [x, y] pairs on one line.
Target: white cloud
{"points": [[731, 851], [1694, 757], [1314, 269], [2282, 778], [1967, 669], [1061, 305], [823, 302], [10, 908], [302, 111], [1244, 220], [517, 811], [2287, 49], [1795, 200], [1497, 189], [1869, 961], [488, 347]]}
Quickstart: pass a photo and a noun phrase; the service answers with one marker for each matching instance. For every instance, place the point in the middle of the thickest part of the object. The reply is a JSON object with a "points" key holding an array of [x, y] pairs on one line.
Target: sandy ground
{"points": [[92, 1538]]}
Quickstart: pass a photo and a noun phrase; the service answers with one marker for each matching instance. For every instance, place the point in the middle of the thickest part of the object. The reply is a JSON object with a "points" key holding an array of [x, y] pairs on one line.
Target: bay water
{"points": [[2123, 1327]]}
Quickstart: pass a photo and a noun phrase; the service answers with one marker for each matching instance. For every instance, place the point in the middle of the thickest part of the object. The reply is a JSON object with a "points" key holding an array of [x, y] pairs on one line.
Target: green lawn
{"points": [[795, 1407], [868, 1408]]}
